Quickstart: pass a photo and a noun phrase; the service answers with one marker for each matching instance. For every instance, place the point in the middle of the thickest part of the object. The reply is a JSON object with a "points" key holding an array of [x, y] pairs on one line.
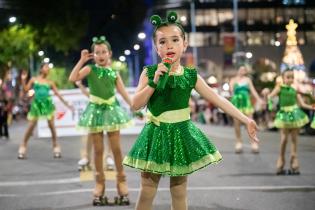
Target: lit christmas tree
{"points": [[292, 55]]}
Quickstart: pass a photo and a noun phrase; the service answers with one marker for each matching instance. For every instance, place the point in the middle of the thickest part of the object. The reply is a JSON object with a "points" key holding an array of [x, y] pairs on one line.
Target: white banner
{"points": [[66, 120]]}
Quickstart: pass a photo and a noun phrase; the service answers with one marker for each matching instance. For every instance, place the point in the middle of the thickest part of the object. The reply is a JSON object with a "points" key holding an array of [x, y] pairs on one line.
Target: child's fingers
{"points": [[162, 67], [255, 138]]}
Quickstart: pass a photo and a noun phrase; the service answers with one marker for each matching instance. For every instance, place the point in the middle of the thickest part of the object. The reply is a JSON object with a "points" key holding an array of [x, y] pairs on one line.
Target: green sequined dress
{"points": [[241, 98], [289, 115], [103, 112], [313, 123], [42, 106], [174, 148]]}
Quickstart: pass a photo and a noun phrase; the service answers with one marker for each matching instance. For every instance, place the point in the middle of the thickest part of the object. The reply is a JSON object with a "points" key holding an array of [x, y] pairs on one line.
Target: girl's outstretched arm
{"points": [[26, 86], [55, 90], [122, 90], [231, 84], [210, 95], [78, 73], [303, 104]]}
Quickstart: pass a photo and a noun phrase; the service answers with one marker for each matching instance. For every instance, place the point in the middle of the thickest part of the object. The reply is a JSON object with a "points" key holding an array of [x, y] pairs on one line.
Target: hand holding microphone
{"points": [[164, 78]]}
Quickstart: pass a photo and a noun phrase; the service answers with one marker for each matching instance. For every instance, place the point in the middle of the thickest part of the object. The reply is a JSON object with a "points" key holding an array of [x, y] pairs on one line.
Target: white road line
{"points": [[40, 182], [161, 189]]}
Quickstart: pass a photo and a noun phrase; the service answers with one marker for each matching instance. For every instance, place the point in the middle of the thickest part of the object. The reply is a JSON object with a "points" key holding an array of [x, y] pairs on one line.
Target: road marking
{"points": [[39, 182], [163, 189]]}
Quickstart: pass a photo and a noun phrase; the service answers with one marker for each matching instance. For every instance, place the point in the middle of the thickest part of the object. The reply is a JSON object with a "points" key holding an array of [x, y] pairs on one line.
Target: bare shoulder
{"points": [[50, 82]]}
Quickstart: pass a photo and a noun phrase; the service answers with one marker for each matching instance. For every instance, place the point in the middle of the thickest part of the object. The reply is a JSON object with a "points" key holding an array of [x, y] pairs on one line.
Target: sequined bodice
{"points": [[287, 96], [102, 81], [176, 93], [41, 90]]}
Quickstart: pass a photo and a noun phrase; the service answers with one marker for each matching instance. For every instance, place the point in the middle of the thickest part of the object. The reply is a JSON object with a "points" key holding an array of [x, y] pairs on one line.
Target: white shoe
{"points": [[83, 162], [110, 163]]}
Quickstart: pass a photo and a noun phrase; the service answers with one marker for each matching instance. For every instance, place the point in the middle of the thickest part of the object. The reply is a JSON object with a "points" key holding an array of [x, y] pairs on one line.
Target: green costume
{"points": [[170, 144], [103, 111], [313, 123], [241, 98], [289, 115], [42, 106]]}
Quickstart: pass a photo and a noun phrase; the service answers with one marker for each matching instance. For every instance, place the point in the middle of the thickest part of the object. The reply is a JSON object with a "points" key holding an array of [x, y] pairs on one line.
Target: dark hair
{"points": [[100, 40], [42, 65]]}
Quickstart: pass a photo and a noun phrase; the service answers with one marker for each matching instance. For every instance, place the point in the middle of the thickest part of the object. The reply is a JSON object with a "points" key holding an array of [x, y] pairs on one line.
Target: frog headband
{"points": [[100, 40], [157, 21]]}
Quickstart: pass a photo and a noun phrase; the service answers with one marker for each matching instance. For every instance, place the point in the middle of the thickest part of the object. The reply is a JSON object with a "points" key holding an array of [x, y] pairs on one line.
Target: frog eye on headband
{"points": [[172, 17], [94, 39], [156, 20], [100, 40]]}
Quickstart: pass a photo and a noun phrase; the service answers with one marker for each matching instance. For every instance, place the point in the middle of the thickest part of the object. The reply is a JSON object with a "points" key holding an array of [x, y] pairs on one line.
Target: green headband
{"points": [[100, 40], [157, 21]]}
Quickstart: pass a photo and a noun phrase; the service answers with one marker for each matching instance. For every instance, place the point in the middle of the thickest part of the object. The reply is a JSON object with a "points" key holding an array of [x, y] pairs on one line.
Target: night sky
{"points": [[119, 20]]}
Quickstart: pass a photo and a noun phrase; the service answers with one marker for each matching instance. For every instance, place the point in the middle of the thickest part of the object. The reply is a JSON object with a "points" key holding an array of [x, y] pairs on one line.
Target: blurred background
{"points": [[221, 34]]}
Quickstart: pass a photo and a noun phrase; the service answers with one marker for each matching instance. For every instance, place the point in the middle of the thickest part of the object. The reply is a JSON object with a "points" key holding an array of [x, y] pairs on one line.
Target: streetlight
{"points": [[249, 55], [41, 53], [122, 58], [12, 19], [130, 65], [46, 60], [136, 47], [51, 65], [183, 19], [127, 52], [141, 35]]}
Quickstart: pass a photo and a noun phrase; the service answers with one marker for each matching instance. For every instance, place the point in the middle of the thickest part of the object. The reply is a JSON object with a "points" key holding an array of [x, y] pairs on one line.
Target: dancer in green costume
{"points": [[289, 119], [85, 161], [103, 113], [241, 89], [313, 121], [170, 144], [42, 107]]}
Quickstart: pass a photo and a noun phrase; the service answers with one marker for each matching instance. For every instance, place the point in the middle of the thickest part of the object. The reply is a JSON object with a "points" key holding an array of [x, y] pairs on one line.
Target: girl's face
{"points": [[101, 54], [288, 77], [45, 69], [242, 71], [169, 42]]}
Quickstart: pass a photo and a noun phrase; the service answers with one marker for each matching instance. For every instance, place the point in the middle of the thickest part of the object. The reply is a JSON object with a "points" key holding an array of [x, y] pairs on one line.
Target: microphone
{"points": [[164, 78]]}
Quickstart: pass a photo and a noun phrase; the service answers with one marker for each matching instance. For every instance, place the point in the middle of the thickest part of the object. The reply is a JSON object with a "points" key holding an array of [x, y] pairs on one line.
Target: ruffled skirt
{"points": [[41, 109], [173, 149], [242, 102], [103, 117], [293, 117]]}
